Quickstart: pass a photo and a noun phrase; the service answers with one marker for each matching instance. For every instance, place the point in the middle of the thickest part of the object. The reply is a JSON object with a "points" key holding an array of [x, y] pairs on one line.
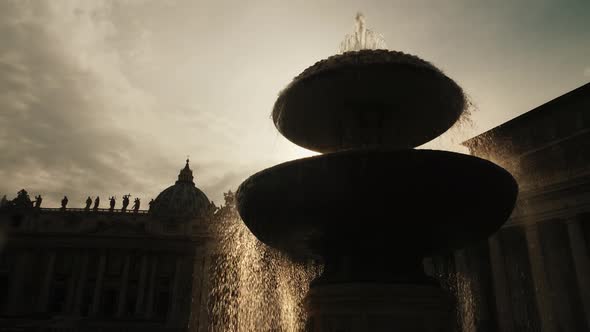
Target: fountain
{"points": [[371, 206]]}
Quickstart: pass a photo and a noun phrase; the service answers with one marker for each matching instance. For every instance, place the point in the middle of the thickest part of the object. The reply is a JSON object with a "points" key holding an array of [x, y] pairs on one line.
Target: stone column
{"points": [[149, 310], [123, 289], [579, 250], [81, 285], [525, 312], [98, 287], [539, 275], [567, 308], [501, 289], [141, 289], [174, 289], [15, 291], [46, 283], [72, 281]]}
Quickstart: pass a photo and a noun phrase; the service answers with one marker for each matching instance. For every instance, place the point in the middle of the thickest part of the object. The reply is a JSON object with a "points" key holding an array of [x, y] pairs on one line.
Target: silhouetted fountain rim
{"points": [[368, 98], [364, 57], [383, 200]]}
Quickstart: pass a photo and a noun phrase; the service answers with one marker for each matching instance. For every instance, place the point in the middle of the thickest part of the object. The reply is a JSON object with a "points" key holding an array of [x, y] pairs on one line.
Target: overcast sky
{"points": [[108, 97]]}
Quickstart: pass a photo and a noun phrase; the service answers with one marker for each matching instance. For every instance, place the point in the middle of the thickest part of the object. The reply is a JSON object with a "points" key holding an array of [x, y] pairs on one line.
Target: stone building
{"points": [[95, 269], [534, 274]]}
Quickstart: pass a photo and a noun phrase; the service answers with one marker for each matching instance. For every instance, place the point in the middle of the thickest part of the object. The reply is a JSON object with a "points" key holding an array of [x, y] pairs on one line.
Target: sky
{"points": [[109, 97]]}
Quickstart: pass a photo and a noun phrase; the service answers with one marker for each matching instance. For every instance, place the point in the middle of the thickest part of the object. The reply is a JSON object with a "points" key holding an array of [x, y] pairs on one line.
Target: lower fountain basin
{"points": [[376, 202]]}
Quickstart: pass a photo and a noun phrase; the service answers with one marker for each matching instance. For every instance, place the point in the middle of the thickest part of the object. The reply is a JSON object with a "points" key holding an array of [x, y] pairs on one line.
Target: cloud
{"points": [[75, 116], [65, 103]]}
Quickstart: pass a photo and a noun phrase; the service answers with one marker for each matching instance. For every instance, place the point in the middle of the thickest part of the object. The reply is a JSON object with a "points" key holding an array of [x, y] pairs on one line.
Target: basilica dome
{"points": [[182, 201]]}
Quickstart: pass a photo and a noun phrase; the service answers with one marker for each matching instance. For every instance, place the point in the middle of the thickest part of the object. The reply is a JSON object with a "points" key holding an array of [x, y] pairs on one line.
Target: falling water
{"points": [[254, 287], [466, 305], [459, 285]]}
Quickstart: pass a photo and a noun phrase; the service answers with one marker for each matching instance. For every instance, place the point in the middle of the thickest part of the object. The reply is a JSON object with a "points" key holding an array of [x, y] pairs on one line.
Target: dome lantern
{"points": [[186, 174]]}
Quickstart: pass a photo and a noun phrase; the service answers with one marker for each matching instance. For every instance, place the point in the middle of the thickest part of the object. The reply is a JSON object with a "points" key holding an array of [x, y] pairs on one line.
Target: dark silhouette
{"points": [[111, 203], [96, 203], [88, 203], [22, 200], [90, 268], [125, 202], [150, 204], [136, 204], [367, 110], [38, 200], [64, 202]]}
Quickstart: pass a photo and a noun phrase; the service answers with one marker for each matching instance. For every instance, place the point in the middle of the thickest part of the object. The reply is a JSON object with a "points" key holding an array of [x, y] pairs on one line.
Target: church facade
{"points": [[110, 269]]}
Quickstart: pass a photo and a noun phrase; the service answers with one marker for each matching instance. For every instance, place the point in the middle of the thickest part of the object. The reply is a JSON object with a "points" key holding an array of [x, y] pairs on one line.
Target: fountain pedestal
{"points": [[377, 307]]}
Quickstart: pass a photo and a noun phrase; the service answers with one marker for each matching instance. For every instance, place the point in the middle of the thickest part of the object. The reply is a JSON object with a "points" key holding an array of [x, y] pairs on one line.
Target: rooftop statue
{"points": [[229, 207], [112, 203], [150, 204], [125, 202], [96, 203], [229, 198], [22, 200], [88, 203], [38, 200], [64, 202], [136, 204]]}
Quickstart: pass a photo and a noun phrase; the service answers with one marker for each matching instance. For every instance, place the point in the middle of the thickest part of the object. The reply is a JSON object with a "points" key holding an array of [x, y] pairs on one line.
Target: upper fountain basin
{"points": [[368, 98], [384, 202]]}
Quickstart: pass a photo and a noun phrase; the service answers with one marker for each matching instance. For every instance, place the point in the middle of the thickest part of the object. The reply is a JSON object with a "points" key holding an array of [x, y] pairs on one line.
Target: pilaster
{"points": [[151, 288], [98, 287], [141, 289], [123, 287], [501, 289], [46, 283], [579, 250], [81, 285], [539, 275], [15, 291]]}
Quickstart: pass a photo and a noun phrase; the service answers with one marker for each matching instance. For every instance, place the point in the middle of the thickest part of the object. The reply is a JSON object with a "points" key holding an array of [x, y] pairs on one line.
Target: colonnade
{"points": [[81, 290], [540, 273]]}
